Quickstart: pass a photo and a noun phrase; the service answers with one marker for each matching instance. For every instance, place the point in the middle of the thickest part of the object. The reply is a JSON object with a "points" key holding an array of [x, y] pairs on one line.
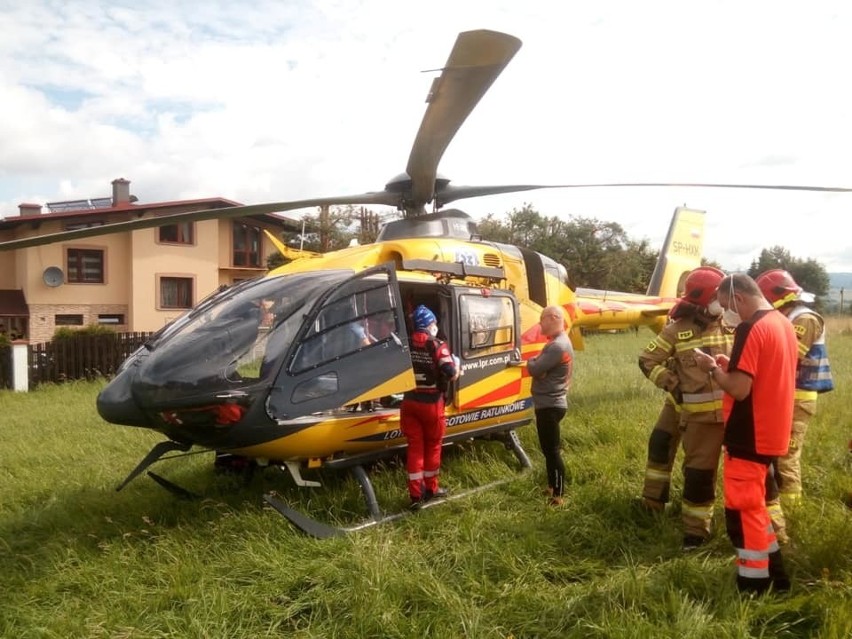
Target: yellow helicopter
{"points": [[302, 368]]}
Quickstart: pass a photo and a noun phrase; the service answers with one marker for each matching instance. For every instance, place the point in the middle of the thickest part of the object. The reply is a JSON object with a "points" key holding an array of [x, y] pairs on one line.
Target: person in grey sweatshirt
{"points": [[551, 373]]}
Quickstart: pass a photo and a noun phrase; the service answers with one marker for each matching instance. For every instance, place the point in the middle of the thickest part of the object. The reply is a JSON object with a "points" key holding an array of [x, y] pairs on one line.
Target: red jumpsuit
{"points": [[422, 413]]}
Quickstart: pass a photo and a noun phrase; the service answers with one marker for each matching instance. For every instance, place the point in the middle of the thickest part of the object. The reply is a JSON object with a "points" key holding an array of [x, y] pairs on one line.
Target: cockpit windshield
{"points": [[239, 336]]}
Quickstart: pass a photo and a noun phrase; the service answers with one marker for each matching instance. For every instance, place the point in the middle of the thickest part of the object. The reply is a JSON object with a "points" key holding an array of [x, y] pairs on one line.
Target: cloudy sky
{"points": [[281, 100]]}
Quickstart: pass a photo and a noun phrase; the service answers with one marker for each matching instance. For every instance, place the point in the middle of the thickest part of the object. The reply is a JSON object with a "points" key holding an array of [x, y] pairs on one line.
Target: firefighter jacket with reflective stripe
{"points": [[670, 363], [813, 374]]}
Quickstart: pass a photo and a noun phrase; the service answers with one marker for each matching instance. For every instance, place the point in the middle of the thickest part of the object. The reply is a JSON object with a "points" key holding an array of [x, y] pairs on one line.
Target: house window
{"points": [[246, 245], [68, 320], [175, 292], [182, 233], [85, 266], [110, 318]]}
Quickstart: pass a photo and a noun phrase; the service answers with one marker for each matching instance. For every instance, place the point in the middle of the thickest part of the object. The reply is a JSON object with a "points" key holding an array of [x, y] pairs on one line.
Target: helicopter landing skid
{"points": [[173, 488], [512, 441], [319, 530]]}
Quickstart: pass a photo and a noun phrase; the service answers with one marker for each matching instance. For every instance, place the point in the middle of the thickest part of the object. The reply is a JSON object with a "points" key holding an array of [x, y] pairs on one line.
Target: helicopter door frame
{"points": [[488, 334], [335, 361]]}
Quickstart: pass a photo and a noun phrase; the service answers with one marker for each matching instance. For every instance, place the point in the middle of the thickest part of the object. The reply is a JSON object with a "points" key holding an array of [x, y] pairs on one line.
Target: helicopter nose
{"points": [[115, 402]]}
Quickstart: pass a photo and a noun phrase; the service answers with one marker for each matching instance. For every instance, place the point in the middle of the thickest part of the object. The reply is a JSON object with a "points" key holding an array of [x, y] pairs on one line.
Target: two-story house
{"points": [[134, 280]]}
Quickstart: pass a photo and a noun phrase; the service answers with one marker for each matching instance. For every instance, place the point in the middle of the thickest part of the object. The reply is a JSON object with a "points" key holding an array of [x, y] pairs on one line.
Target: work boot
{"points": [[439, 493], [692, 542], [416, 503], [777, 573]]}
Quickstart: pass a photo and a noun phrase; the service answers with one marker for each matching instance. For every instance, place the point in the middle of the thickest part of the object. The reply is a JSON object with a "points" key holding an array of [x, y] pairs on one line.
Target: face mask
{"points": [[731, 318], [433, 330], [715, 309]]}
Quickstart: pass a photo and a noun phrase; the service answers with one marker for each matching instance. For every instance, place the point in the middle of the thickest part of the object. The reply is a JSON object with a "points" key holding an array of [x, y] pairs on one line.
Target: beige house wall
{"points": [[8, 270], [134, 262], [153, 260]]}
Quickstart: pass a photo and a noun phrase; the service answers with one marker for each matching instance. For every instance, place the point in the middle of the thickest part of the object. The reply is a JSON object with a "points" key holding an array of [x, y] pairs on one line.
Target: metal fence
{"points": [[6, 380], [80, 356]]}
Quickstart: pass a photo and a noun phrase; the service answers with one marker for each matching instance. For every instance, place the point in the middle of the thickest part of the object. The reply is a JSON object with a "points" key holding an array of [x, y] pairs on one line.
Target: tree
{"points": [[596, 254]]}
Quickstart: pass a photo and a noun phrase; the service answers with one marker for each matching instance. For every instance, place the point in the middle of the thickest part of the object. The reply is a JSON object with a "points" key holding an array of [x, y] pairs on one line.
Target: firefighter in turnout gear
{"points": [[669, 362], [813, 375], [422, 412]]}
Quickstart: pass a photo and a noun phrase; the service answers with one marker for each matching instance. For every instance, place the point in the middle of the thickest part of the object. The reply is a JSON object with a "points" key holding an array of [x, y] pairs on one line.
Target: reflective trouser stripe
{"points": [[430, 473], [753, 569], [657, 475], [415, 476], [699, 512]]}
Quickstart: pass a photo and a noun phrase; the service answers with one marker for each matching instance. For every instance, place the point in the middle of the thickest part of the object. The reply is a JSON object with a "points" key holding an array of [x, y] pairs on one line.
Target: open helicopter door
{"points": [[489, 348], [352, 346]]}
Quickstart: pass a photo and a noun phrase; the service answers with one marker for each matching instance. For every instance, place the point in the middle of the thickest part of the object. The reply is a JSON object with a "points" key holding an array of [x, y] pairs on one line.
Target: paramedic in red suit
{"points": [[422, 412], [759, 380]]}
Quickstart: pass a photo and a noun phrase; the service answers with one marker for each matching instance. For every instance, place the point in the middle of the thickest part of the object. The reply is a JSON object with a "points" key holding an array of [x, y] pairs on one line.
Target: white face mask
{"points": [[432, 330], [715, 309], [731, 318]]}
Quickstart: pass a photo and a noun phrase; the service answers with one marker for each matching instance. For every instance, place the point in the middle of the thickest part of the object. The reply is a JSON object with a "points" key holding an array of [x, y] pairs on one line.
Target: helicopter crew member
{"points": [[422, 412], [669, 362], [813, 374], [551, 372]]}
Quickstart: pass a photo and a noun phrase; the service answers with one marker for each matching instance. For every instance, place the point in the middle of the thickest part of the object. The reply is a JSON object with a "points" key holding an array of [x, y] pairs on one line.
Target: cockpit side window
{"points": [[359, 315]]}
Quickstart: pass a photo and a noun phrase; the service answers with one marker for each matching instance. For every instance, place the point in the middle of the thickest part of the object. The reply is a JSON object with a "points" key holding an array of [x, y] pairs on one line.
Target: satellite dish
{"points": [[53, 276]]}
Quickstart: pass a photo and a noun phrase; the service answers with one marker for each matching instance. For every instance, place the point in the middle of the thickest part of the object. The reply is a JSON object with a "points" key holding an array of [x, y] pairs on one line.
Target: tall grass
{"points": [[78, 559]]}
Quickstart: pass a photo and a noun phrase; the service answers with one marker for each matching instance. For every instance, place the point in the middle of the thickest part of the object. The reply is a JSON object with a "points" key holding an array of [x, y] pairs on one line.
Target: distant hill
{"points": [[840, 280]]}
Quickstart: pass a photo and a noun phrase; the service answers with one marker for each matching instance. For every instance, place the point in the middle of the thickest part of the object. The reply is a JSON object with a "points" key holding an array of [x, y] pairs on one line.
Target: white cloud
{"points": [[281, 101]]}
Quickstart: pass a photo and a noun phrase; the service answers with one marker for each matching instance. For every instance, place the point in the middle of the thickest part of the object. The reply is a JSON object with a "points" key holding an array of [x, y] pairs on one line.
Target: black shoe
{"points": [[441, 493], [692, 542], [752, 586], [780, 584], [416, 504]]}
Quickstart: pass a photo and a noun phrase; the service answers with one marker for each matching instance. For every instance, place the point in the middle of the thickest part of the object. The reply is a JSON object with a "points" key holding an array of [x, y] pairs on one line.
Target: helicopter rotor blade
{"points": [[477, 59], [452, 193], [377, 197]]}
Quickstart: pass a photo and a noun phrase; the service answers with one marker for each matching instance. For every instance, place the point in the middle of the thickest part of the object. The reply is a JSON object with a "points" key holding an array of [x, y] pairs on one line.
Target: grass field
{"points": [[78, 559]]}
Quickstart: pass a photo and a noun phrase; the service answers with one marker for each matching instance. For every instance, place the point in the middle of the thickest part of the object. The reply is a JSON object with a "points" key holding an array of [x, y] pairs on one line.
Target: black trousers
{"points": [[547, 422]]}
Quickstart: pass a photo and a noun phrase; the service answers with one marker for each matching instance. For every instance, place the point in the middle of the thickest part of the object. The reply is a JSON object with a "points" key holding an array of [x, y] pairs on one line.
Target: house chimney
{"points": [[120, 192], [29, 209]]}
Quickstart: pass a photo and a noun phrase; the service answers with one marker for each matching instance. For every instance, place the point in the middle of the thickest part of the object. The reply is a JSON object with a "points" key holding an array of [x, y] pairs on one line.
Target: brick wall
{"points": [[43, 317]]}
